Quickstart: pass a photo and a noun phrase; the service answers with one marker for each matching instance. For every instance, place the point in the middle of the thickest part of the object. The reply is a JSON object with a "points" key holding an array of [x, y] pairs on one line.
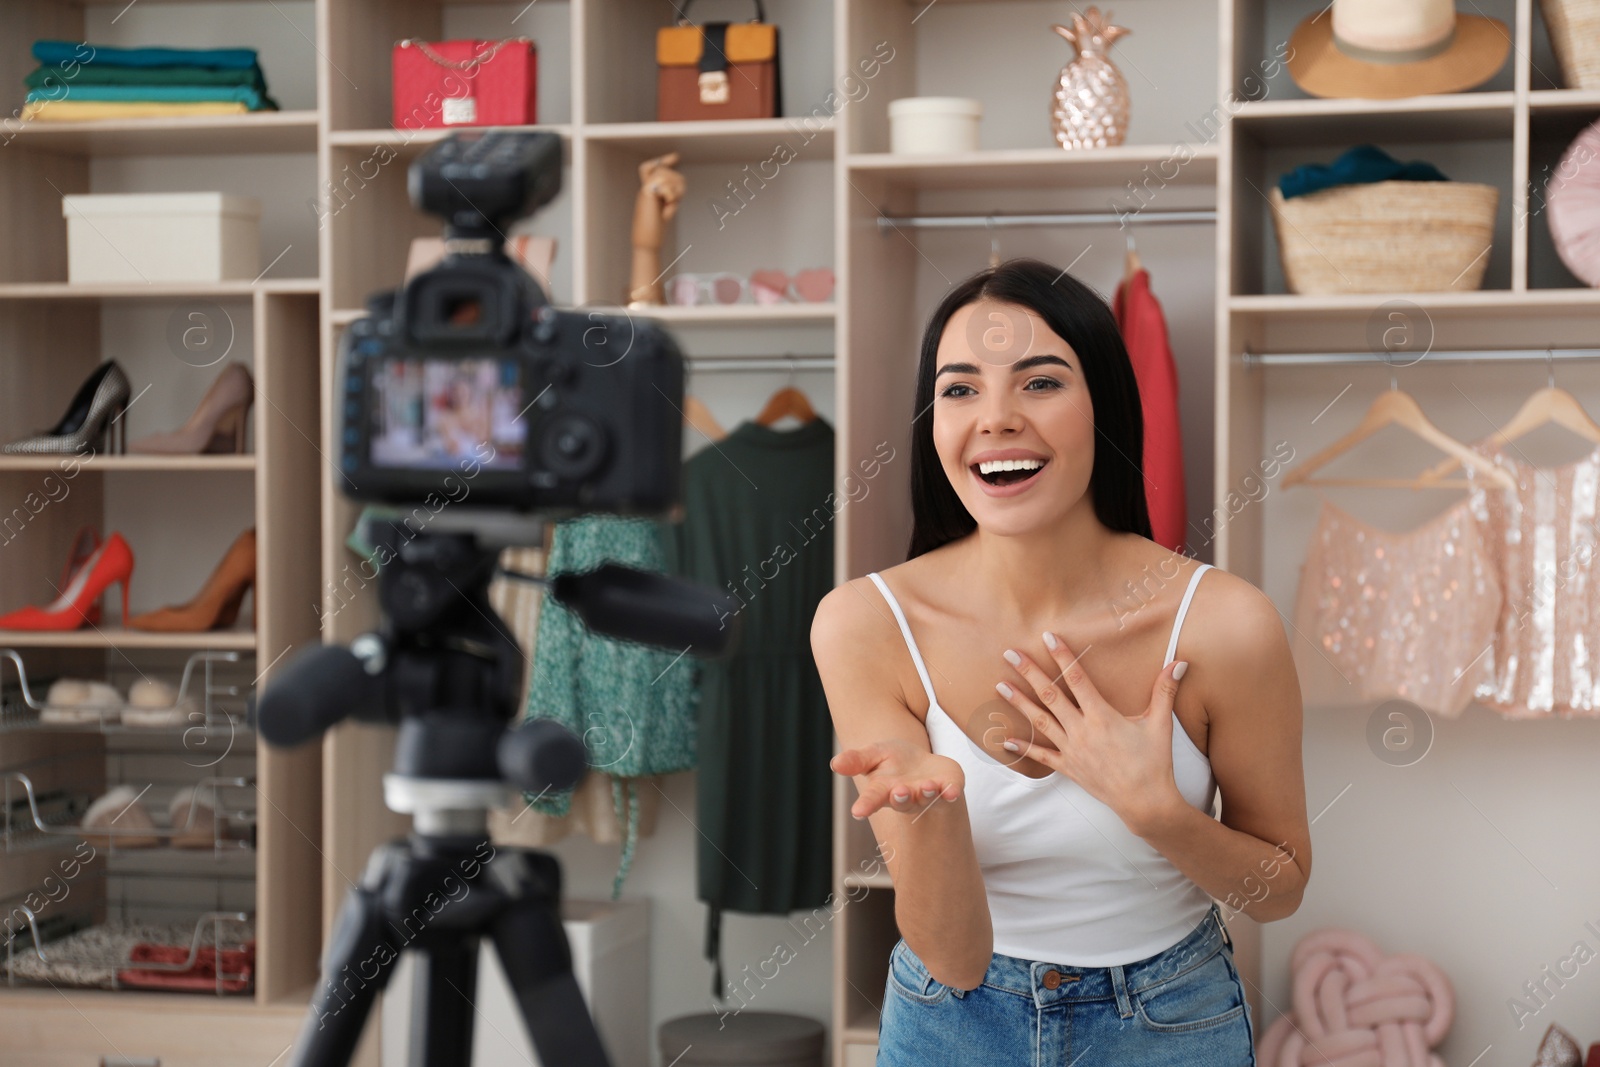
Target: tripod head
{"points": [[444, 666]]}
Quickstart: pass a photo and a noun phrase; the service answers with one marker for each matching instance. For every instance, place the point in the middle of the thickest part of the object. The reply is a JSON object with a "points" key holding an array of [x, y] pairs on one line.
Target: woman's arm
{"points": [[941, 906], [1258, 858]]}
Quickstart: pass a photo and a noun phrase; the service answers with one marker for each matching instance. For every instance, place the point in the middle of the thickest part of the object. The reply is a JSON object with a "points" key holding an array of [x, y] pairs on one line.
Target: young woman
{"points": [[1039, 707]]}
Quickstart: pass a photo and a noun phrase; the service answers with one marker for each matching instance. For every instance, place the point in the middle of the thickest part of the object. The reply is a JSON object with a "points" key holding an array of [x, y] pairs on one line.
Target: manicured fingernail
{"points": [[1005, 690], [1177, 672], [1010, 746], [902, 796], [1012, 657], [1050, 641], [930, 792]]}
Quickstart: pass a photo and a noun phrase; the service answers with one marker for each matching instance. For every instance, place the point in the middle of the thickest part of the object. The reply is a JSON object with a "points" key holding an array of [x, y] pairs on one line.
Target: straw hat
{"points": [[1384, 49]]}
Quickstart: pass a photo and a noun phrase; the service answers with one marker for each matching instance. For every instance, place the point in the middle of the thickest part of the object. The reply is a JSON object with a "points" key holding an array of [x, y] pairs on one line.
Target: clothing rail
{"points": [[713, 365], [1406, 359], [1053, 218]]}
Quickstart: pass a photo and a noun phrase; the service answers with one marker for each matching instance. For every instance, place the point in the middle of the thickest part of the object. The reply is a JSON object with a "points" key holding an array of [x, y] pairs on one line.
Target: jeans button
{"points": [[1052, 978]]}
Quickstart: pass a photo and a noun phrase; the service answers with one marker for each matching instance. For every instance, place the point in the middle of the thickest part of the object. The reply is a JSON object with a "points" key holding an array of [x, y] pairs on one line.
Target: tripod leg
{"points": [[443, 1004], [355, 967], [537, 960]]}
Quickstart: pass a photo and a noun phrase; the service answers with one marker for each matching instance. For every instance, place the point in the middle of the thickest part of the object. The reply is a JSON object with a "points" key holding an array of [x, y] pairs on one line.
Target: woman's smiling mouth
{"points": [[1007, 476]]}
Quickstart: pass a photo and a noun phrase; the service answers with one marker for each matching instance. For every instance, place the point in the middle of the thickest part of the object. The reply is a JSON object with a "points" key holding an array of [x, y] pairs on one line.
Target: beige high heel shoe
{"points": [[217, 425]]}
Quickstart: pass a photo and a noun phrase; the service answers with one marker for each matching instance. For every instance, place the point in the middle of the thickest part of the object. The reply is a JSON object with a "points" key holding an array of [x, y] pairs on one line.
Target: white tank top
{"points": [[1067, 881]]}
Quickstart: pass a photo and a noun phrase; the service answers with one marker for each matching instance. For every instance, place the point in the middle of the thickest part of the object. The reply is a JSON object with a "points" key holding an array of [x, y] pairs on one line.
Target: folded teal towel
{"points": [[48, 77], [144, 94], [1361, 164], [60, 52]]}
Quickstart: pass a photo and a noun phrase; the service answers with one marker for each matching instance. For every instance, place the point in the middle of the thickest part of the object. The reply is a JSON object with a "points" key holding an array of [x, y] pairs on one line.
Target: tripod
{"points": [[445, 666]]}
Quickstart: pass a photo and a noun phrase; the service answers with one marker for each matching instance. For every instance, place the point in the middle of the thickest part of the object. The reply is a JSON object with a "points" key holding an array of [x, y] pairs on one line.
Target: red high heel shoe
{"points": [[110, 564]]}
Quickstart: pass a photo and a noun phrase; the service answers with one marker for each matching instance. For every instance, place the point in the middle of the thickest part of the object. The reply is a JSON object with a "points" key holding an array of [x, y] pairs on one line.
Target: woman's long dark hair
{"points": [[1078, 316]]}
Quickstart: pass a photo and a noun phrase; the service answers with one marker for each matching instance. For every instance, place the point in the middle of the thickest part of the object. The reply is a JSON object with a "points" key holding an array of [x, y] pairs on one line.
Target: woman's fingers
{"points": [[1164, 697], [1046, 685], [1045, 723], [854, 761], [1071, 672], [907, 797]]}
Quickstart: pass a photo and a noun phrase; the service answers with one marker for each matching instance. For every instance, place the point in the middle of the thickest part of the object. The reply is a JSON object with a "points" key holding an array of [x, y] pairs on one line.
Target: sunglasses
{"points": [[774, 286], [763, 287]]}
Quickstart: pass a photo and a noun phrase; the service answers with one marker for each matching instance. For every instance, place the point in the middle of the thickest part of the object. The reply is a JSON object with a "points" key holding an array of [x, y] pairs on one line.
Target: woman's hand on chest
{"points": [[1122, 760]]}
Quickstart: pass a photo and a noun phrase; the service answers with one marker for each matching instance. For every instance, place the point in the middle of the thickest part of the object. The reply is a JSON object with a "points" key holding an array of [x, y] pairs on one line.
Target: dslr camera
{"points": [[468, 373]]}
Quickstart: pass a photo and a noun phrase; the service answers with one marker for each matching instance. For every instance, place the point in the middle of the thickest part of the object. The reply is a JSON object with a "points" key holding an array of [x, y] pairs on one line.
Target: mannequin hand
{"points": [[662, 183], [900, 776], [1124, 762]]}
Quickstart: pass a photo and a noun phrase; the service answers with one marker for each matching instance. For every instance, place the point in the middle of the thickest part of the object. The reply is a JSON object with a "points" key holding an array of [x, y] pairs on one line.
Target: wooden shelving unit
{"points": [[178, 513]]}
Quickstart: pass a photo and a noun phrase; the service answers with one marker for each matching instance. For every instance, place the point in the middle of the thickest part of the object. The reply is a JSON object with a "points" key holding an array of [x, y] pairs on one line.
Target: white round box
{"points": [[934, 124]]}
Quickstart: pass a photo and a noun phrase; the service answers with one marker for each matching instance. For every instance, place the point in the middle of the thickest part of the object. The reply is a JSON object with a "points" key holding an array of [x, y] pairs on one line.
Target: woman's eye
{"points": [[951, 390], [1048, 383]]}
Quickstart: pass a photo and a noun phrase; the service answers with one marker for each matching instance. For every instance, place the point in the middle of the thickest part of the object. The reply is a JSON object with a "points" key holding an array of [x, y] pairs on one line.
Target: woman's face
{"points": [[1008, 388]]}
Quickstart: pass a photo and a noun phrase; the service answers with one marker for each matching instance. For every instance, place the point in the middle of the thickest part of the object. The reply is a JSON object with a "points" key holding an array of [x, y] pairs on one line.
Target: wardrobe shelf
{"points": [[105, 637], [1558, 100], [155, 290], [1029, 168], [411, 143], [131, 463], [869, 881], [1468, 301], [256, 132], [727, 314], [735, 140], [1449, 117]]}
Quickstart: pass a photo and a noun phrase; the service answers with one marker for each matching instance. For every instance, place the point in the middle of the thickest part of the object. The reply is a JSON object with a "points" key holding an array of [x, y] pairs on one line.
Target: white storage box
{"points": [[162, 237], [934, 124], [610, 942]]}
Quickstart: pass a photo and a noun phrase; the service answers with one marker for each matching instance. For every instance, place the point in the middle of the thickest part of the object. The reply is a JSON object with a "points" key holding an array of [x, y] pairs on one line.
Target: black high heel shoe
{"points": [[92, 414]]}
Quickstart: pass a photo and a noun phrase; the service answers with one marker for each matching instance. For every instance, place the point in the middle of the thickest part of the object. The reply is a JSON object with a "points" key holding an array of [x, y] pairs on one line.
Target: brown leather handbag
{"points": [[718, 70]]}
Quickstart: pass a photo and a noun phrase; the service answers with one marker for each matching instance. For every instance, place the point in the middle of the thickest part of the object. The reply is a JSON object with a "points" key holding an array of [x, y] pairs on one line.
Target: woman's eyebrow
{"points": [[1019, 365]]}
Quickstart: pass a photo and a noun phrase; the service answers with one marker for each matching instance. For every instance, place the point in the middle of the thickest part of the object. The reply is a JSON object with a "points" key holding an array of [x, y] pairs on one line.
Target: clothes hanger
{"points": [[1131, 265], [1399, 409], [787, 401], [697, 415], [1547, 405]]}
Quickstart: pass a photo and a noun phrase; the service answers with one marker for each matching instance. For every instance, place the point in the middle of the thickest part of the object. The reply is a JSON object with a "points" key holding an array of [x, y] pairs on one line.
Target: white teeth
{"points": [[994, 465]]}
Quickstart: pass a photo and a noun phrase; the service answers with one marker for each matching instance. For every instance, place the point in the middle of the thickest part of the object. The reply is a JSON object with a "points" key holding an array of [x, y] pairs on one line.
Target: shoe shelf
{"points": [[115, 637], [101, 462], [202, 706], [33, 816], [98, 956], [157, 290]]}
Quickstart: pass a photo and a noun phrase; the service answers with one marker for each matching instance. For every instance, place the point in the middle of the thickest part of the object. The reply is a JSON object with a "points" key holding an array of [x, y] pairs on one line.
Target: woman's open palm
{"points": [[900, 776]]}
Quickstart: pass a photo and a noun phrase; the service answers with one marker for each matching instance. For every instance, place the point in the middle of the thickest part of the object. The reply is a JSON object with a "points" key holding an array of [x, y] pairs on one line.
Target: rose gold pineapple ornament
{"points": [[1089, 106]]}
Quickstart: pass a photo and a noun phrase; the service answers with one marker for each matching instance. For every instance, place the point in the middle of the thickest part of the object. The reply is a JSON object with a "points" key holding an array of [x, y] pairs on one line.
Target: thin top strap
{"points": [[905, 629], [1183, 609]]}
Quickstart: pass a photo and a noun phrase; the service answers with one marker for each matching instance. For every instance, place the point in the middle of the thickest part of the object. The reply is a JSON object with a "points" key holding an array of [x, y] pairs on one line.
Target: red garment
{"points": [[1144, 332], [238, 967]]}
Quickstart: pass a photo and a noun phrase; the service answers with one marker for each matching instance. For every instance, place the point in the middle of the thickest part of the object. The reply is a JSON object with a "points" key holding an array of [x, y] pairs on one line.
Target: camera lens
{"points": [[572, 446]]}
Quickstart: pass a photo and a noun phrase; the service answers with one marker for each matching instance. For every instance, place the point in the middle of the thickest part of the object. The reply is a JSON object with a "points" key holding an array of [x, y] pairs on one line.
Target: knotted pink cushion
{"points": [[1356, 1007], [1573, 196]]}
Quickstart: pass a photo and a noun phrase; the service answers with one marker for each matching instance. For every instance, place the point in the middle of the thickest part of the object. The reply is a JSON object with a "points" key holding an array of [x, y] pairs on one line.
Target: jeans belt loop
{"points": [[1119, 984], [1226, 937]]}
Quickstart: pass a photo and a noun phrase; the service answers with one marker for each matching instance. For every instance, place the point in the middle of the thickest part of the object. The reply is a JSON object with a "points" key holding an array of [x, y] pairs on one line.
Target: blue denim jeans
{"points": [[1184, 1005]]}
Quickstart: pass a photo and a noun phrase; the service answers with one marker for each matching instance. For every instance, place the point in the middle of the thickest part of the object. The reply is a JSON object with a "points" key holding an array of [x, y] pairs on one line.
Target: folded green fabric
{"points": [[65, 52], [51, 76], [147, 94]]}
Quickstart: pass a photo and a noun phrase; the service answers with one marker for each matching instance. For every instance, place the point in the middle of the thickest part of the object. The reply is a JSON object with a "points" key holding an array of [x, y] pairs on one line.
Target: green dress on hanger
{"points": [[633, 705], [759, 523]]}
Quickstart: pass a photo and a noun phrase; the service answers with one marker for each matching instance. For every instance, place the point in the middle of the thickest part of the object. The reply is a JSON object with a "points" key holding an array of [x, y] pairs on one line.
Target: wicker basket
{"points": [[1386, 237], [1575, 35]]}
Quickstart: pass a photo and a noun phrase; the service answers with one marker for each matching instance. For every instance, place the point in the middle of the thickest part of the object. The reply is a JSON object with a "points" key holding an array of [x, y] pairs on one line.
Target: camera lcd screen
{"points": [[441, 413]]}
